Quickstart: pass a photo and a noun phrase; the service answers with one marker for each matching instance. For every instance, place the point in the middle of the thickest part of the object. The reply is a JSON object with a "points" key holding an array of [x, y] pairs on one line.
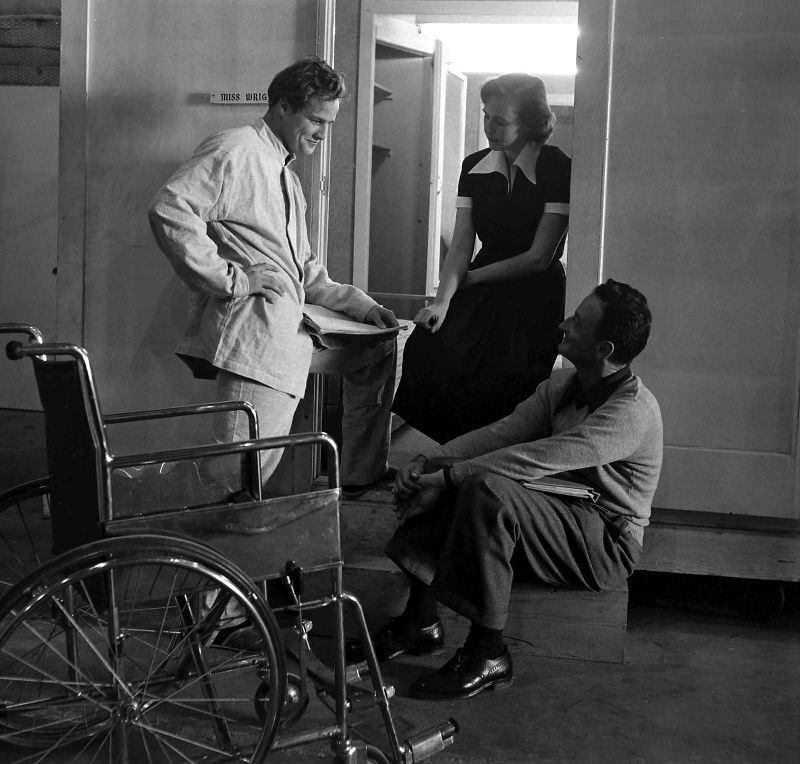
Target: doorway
{"points": [[415, 83]]}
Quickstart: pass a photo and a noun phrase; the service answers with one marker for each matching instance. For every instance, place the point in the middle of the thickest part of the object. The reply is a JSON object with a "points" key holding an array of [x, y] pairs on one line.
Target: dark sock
{"points": [[421, 607], [488, 643]]}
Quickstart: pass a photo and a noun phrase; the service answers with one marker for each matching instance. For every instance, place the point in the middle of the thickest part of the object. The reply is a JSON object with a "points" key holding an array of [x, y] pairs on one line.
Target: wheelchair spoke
{"points": [[25, 535], [112, 660]]}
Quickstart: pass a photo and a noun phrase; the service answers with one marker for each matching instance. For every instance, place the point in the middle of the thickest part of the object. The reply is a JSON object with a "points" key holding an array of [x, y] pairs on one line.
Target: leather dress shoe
{"points": [[401, 636], [466, 674]]}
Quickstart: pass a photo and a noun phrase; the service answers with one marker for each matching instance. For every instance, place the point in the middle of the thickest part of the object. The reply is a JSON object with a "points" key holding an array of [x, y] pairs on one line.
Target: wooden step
{"points": [[718, 544]]}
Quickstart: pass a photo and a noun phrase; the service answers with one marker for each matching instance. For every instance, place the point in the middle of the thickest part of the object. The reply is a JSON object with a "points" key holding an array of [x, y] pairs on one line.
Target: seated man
{"points": [[468, 523]]}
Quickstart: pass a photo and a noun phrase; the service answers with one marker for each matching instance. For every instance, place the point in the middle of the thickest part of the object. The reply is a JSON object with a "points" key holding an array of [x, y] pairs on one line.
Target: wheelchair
{"points": [[173, 630]]}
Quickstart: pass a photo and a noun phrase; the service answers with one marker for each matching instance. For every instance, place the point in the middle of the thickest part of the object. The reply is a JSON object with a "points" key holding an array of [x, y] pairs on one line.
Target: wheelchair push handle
{"points": [[34, 335], [14, 348]]}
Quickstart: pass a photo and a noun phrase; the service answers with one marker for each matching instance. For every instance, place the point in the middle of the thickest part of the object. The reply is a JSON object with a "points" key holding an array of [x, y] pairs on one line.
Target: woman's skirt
{"points": [[498, 342]]}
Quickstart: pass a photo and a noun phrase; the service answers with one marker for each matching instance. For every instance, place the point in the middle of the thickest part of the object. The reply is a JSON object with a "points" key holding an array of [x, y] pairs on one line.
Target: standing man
{"points": [[468, 523], [231, 220]]}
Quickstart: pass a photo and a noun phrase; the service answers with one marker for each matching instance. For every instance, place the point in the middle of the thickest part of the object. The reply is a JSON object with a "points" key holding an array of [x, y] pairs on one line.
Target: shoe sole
{"points": [[415, 653], [497, 684]]}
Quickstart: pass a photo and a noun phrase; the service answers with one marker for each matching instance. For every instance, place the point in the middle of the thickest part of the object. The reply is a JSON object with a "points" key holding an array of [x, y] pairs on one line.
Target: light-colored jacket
{"points": [[236, 203], [615, 449]]}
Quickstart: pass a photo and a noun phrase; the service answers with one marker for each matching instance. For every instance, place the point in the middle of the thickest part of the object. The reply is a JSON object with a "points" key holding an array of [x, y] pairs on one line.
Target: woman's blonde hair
{"points": [[529, 95]]}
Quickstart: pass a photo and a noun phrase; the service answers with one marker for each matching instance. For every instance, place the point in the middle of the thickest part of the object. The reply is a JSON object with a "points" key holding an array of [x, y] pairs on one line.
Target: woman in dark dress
{"points": [[490, 335]]}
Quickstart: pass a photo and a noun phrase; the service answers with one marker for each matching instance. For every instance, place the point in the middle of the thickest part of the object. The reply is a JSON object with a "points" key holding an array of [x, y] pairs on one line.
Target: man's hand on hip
{"points": [[264, 281]]}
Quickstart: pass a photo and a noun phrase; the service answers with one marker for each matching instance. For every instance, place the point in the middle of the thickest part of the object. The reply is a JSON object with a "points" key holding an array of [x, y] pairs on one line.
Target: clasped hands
{"points": [[416, 490]]}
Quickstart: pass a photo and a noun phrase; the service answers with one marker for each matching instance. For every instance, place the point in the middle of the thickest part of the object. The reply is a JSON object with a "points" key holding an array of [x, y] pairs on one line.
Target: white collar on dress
{"points": [[495, 161]]}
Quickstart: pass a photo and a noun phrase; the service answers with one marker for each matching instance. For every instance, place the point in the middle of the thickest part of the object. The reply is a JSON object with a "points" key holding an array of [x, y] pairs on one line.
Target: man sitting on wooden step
{"points": [[472, 514]]}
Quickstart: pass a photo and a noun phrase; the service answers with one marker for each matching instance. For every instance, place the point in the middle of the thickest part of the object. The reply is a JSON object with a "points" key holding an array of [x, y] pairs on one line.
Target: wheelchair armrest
{"points": [[239, 447], [189, 410]]}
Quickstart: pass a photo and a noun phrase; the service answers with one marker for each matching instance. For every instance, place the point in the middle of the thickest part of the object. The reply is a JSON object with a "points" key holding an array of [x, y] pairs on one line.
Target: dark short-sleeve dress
{"points": [[499, 340]]}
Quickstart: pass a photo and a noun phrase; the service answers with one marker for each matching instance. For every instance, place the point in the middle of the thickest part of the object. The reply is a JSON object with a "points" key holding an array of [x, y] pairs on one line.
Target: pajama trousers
{"points": [[367, 390]]}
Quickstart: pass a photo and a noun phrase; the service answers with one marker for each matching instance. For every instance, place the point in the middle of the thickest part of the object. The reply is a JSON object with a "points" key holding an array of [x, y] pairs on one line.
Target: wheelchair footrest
{"points": [[324, 677]]}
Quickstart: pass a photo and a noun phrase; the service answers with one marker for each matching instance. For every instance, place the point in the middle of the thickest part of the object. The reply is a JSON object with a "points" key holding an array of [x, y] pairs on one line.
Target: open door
{"points": [[402, 132]]}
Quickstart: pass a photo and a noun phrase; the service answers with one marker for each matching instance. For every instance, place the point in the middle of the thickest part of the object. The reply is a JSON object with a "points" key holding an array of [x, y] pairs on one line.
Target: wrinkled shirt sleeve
{"points": [[608, 435], [179, 214]]}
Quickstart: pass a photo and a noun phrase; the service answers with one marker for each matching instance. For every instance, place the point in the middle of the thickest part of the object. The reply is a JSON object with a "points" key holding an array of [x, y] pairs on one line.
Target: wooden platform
{"points": [[733, 546]]}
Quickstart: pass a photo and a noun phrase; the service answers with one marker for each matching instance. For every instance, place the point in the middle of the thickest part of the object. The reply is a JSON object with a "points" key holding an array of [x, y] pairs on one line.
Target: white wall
{"points": [[28, 226], [685, 180]]}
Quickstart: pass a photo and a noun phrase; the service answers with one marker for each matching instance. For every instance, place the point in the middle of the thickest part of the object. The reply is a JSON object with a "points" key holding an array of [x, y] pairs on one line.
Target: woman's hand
{"points": [[432, 317]]}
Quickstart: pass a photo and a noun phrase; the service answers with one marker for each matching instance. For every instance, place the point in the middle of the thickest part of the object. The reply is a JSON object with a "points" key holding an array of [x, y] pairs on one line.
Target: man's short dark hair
{"points": [[626, 319], [305, 80]]}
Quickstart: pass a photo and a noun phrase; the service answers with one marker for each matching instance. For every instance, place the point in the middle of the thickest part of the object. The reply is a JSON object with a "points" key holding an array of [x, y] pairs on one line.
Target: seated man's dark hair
{"points": [[626, 319], [304, 80]]}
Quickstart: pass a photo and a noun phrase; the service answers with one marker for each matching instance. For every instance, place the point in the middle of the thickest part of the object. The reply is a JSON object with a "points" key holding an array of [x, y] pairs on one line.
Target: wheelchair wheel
{"points": [[108, 653], [25, 535]]}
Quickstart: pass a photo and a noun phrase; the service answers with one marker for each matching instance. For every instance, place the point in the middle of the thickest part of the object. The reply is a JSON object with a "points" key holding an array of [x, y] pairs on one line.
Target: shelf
{"points": [[381, 151], [381, 93]]}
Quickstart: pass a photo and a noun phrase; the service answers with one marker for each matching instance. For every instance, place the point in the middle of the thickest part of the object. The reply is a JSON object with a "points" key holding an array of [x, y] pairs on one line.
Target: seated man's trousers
{"points": [[470, 547]]}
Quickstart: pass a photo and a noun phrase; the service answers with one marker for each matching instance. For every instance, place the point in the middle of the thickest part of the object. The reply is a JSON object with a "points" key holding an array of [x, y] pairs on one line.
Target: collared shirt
{"points": [[525, 163], [596, 395], [236, 204]]}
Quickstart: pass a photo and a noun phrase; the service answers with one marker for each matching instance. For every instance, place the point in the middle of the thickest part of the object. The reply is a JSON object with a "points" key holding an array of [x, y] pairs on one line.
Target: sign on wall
{"points": [[238, 97]]}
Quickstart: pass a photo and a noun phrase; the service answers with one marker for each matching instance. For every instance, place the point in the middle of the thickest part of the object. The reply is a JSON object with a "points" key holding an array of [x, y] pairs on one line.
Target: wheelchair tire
{"points": [[25, 534], [107, 652]]}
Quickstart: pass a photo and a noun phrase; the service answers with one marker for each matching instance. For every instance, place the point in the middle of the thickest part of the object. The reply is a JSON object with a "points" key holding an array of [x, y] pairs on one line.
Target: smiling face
{"points": [[579, 343], [302, 131], [502, 126]]}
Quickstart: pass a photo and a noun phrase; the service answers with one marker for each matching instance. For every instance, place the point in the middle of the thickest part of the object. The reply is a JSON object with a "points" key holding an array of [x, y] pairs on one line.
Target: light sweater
{"points": [[234, 204], [616, 449]]}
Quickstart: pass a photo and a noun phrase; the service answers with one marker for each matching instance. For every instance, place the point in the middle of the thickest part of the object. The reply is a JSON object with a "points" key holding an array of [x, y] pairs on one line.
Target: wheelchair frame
{"points": [[166, 582]]}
